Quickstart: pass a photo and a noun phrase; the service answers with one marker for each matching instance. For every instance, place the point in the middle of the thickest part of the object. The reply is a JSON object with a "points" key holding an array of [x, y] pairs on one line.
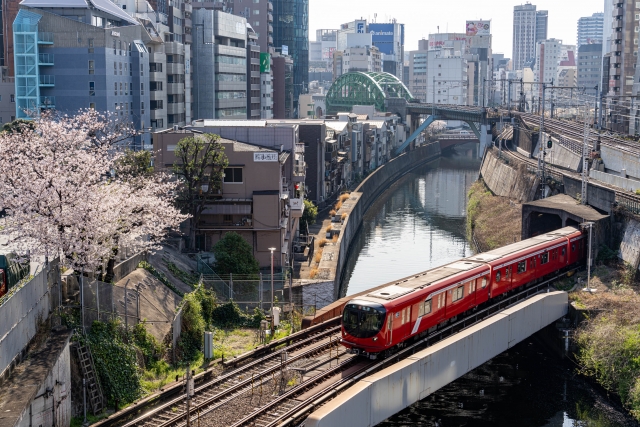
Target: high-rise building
{"points": [[624, 48], [220, 65], [417, 79], [95, 60], [524, 34], [542, 24], [590, 29], [283, 72], [291, 37]]}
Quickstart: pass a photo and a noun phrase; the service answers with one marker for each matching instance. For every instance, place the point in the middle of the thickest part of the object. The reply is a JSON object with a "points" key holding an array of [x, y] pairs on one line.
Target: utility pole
{"points": [[585, 161], [541, 145]]}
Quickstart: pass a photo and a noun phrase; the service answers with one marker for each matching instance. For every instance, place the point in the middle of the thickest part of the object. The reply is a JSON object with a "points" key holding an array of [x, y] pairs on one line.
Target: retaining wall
{"points": [[387, 392], [506, 180], [618, 181], [617, 160], [630, 246]]}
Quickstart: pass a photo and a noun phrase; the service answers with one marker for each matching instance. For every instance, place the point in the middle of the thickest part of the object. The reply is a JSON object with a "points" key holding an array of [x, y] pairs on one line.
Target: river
{"points": [[419, 223]]}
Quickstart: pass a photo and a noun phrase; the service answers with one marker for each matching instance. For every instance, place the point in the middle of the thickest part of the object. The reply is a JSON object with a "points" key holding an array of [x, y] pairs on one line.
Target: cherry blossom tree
{"points": [[62, 197]]}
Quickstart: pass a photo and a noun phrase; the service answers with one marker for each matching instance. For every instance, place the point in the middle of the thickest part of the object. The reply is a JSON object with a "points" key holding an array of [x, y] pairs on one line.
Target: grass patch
{"points": [[187, 278], [494, 221], [160, 276]]}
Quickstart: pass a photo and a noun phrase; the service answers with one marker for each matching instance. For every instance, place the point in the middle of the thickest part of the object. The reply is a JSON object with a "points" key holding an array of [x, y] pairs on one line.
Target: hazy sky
{"points": [[421, 17]]}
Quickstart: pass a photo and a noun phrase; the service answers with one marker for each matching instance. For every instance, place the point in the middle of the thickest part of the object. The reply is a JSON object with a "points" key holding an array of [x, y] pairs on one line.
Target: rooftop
{"points": [[570, 205]]}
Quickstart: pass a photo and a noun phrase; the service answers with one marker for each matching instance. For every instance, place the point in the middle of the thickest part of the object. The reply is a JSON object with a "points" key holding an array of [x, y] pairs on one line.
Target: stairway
{"points": [[94, 392]]}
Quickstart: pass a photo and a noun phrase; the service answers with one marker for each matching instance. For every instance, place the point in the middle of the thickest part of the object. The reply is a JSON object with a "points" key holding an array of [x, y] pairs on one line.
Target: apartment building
{"points": [[447, 75], [529, 27], [72, 57], [259, 199], [417, 79], [590, 30]]}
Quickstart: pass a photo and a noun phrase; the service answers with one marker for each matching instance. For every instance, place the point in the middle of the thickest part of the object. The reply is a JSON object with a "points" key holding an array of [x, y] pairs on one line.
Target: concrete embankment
{"points": [[334, 254], [510, 180]]}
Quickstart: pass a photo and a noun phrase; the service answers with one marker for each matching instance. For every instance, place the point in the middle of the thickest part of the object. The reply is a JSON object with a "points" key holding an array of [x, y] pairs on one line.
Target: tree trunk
{"points": [[192, 233]]}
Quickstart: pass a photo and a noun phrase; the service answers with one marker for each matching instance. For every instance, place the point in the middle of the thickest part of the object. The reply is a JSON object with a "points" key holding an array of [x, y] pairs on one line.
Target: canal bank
{"points": [[332, 253]]}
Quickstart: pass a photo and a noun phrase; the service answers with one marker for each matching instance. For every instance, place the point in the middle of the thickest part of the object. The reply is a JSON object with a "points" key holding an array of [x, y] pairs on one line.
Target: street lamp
{"points": [[272, 249]]}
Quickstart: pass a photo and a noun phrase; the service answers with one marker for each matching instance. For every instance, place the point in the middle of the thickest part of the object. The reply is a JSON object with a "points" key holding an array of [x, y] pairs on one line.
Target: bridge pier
{"points": [[387, 392], [485, 138]]}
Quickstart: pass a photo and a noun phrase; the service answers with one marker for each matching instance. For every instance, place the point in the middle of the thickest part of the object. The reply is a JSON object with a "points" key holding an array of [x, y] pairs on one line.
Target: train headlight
{"points": [[375, 338]]}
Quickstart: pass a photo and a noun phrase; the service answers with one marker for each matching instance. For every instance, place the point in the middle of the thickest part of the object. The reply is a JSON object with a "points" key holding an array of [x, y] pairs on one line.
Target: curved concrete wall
{"points": [[360, 200]]}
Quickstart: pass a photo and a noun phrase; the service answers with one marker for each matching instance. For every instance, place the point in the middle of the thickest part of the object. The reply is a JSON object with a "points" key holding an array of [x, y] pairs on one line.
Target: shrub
{"points": [[235, 255], [150, 348], [332, 212], [193, 326], [318, 257], [329, 228], [344, 216], [334, 239], [338, 205], [229, 315], [322, 243], [344, 196]]}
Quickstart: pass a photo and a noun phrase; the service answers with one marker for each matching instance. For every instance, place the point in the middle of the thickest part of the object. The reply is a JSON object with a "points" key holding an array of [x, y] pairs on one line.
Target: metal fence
{"points": [[24, 309], [105, 302], [630, 202]]}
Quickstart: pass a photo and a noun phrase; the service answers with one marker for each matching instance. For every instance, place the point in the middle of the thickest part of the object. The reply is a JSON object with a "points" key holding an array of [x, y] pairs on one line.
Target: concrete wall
{"points": [[618, 181], [563, 157], [506, 180], [616, 160], [371, 188], [630, 246], [55, 409], [598, 197], [19, 319], [387, 392]]}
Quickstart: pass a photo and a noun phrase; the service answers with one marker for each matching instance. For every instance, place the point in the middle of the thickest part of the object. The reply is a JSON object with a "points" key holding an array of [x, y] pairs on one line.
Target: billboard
{"points": [[361, 27], [478, 28], [265, 62], [382, 36], [327, 53]]}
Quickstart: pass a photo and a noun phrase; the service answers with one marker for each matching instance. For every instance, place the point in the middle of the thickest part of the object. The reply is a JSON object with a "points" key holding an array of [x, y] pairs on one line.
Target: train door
{"points": [[482, 289], [562, 254], [508, 276], [406, 322], [390, 328]]}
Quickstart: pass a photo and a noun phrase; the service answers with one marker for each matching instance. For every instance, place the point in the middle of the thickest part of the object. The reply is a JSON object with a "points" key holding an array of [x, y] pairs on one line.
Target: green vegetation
{"points": [[309, 215], [493, 221], [116, 362], [134, 164], [235, 255], [186, 278], [229, 315], [18, 125], [610, 352], [160, 276]]}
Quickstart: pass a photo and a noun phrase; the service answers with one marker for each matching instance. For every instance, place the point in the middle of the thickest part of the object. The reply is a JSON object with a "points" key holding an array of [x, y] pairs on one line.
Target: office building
{"points": [[417, 71], [75, 57], [590, 29], [219, 65], [283, 93], [590, 67], [291, 37], [542, 24]]}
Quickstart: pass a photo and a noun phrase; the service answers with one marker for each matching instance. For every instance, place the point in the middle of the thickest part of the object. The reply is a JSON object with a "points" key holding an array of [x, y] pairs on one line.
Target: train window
{"points": [[440, 300], [426, 307], [507, 272], [472, 285], [458, 293], [498, 276], [544, 258], [522, 267], [389, 322], [573, 247], [564, 251], [484, 282]]}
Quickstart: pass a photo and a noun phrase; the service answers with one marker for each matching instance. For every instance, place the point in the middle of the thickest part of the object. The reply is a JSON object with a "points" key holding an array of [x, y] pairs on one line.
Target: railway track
{"points": [[167, 408]]}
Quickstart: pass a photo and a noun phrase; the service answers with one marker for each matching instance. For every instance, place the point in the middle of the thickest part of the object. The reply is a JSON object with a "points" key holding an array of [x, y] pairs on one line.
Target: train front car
{"points": [[363, 327]]}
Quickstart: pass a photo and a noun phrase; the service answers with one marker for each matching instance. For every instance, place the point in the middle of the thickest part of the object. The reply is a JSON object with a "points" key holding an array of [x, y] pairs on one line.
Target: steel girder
{"points": [[364, 88]]}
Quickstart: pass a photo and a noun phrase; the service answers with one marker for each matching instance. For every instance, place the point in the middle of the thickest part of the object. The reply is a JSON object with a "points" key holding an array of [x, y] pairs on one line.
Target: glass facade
{"points": [[25, 33], [291, 29]]}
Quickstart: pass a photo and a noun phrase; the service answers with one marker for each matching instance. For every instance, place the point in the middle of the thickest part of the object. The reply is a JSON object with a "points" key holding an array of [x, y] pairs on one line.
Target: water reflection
{"points": [[417, 224]]}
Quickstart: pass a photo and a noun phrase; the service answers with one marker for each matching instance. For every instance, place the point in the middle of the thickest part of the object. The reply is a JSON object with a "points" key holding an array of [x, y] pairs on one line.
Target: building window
{"points": [[121, 91], [156, 105], [121, 108], [158, 123], [92, 67], [130, 88], [121, 68], [154, 86], [142, 107], [92, 88], [115, 68], [90, 45], [92, 105], [233, 175], [115, 88], [256, 11], [522, 267], [141, 70], [141, 88]]}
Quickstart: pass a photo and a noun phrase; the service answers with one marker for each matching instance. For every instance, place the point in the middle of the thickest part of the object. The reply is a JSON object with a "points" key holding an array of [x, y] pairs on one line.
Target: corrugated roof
{"points": [[109, 7], [336, 125]]}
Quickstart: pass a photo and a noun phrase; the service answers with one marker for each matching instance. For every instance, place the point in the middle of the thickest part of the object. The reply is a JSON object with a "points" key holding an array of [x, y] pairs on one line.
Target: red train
{"points": [[381, 321]]}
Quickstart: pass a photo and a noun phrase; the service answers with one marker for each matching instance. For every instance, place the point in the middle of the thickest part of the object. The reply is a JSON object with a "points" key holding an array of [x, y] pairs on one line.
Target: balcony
{"points": [[330, 156], [45, 38], [617, 47], [617, 11], [615, 71], [186, 7], [175, 88], [45, 59], [297, 208], [175, 108], [188, 39], [175, 68], [47, 81], [270, 28], [269, 17], [617, 35], [270, 40], [270, 6], [47, 102]]}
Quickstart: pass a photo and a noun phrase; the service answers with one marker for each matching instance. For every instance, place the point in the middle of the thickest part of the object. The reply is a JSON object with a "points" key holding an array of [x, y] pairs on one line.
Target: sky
{"points": [[422, 17]]}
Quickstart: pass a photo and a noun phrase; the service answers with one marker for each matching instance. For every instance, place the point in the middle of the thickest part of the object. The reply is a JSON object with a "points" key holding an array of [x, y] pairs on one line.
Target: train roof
{"points": [[523, 244], [409, 284], [422, 280]]}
